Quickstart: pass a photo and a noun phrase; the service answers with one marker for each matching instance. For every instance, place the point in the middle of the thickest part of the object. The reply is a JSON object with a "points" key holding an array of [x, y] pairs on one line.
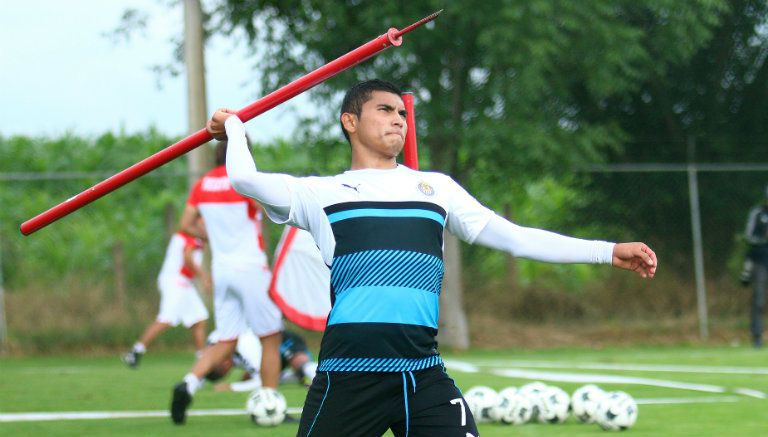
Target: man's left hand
{"points": [[637, 257]]}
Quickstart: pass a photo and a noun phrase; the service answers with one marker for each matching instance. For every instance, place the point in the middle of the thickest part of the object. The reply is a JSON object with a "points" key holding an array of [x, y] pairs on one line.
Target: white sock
{"points": [[193, 383], [139, 348], [310, 369]]}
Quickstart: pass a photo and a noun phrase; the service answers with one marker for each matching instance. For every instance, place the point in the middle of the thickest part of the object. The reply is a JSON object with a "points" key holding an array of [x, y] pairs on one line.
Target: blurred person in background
{"points": [[295, 361], [756, 266], [241, 279], [180, 302]]}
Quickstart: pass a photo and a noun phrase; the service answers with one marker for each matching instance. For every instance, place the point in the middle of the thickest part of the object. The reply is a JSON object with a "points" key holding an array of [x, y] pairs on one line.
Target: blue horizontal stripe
{"points": [[407, 306], [375, 212], [378, 364], [387, 268]]}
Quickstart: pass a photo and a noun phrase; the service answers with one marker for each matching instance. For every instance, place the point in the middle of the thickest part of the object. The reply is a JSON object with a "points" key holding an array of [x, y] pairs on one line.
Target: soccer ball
{"points": [[480, 400], [512, 408], [533, 392], [502, 403], [508, 391], [584, 402], [266, 406], [616, 412], [555, 405]]}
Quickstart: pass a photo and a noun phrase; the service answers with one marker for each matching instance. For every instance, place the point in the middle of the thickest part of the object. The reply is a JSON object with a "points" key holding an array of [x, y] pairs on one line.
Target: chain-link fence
{"points": [[692, 216], [695, 216], [92, 274]]}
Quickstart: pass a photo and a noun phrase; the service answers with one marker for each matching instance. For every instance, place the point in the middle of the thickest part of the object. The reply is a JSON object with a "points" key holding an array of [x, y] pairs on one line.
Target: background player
{"points": [[295, 361], [756, 234], [180, 301], [240, 277]]}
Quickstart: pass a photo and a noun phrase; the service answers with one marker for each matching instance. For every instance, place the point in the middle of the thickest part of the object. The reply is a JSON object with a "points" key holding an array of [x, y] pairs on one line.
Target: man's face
{"points": [[381, 127]]}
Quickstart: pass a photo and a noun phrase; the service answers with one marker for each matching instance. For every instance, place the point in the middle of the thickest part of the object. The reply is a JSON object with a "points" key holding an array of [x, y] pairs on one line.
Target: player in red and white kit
{"points": [[240, 276], [180, 301]]}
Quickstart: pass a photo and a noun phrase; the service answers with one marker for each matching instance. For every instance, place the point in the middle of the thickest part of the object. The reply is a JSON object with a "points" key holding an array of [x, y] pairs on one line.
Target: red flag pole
{"points": [[393, 37], [410, 148]]}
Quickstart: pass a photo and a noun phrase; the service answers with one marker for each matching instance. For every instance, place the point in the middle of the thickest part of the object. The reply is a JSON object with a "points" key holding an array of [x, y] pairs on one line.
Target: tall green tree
{"points": [[503, 86], [704, 104]]}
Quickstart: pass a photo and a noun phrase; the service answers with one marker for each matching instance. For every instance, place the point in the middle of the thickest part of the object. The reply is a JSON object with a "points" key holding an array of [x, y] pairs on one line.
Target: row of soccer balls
{"points": [[613, 411], [536, 401]]}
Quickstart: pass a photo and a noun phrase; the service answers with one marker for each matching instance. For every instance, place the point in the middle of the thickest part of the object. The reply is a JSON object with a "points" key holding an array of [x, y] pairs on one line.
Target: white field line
{"points": [[462, 366], [606, 379], [95, 415], [100, 415], [635, 367], [701, 400], [750, 392]]}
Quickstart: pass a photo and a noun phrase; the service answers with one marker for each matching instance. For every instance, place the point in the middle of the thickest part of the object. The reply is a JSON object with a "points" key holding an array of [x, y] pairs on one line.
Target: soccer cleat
{"points": [[131, 359], [180, 403]]}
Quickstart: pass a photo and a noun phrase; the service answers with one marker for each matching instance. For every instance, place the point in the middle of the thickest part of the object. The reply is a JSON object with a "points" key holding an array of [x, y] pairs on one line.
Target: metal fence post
{"points": [[698, 251]]}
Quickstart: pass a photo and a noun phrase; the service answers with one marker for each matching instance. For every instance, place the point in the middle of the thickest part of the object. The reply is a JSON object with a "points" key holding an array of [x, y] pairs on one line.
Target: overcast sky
{"points": [[58, 72]]}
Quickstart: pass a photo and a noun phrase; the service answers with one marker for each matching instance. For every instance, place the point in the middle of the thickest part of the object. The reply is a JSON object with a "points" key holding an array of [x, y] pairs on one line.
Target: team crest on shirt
{"points": [[426, 189]]}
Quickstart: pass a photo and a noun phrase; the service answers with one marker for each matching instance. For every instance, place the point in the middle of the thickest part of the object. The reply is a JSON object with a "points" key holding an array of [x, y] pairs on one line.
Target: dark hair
{"points": [[361, 93], [221, 150]]}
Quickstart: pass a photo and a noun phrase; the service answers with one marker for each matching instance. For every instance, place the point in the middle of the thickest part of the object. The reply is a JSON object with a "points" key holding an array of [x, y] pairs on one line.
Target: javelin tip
{"points": [[423, 21]]}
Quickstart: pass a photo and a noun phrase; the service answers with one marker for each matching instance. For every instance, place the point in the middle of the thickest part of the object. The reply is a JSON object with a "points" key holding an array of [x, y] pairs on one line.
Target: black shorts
{"points": [[423, 403]]}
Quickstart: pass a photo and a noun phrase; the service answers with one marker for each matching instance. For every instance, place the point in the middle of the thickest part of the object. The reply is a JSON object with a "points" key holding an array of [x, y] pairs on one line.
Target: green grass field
{"points": [[79, 384]]}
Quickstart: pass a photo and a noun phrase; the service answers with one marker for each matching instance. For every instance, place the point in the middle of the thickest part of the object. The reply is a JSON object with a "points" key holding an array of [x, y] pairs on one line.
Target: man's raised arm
{"points": [[269, 189]]}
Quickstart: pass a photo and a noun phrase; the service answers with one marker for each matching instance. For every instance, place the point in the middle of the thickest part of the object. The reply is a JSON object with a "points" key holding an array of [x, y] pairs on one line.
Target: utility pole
{"points": [[200, 159]]}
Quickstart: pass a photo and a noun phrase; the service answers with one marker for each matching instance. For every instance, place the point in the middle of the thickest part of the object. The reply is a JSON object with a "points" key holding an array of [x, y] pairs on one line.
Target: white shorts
{"points": [[241, 300], [180, 302]]}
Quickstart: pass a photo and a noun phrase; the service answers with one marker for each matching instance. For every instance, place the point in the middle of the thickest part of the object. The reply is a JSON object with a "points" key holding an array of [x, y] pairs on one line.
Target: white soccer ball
{"points": [[584, 402], [266, 407], [502, 403], [533, 392], [616, 412], [508, 391], [512, 408], [480, 400], [555, 405]]}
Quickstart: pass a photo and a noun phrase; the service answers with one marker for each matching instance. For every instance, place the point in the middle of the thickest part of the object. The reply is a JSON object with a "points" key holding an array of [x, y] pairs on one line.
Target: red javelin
{"points": [[393, 37]]}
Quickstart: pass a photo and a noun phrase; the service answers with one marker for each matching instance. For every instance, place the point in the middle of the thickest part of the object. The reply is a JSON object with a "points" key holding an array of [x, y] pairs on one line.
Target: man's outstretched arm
{"points": [[541, 245]]}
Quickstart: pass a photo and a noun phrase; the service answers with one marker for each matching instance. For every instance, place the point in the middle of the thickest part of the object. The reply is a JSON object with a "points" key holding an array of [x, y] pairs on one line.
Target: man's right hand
{"points": [[215, 125]]}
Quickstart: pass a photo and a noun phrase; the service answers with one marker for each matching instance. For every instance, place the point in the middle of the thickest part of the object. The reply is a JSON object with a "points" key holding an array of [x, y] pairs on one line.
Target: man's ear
{"points": [[349, 121]]}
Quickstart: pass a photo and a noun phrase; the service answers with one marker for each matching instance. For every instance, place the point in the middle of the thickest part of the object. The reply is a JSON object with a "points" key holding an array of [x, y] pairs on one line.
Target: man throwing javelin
{"points": [[379, 227]]}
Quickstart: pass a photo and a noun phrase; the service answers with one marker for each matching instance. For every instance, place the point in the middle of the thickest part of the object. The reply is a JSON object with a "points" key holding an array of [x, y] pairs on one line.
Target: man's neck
{"points": [[378, 163]]}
